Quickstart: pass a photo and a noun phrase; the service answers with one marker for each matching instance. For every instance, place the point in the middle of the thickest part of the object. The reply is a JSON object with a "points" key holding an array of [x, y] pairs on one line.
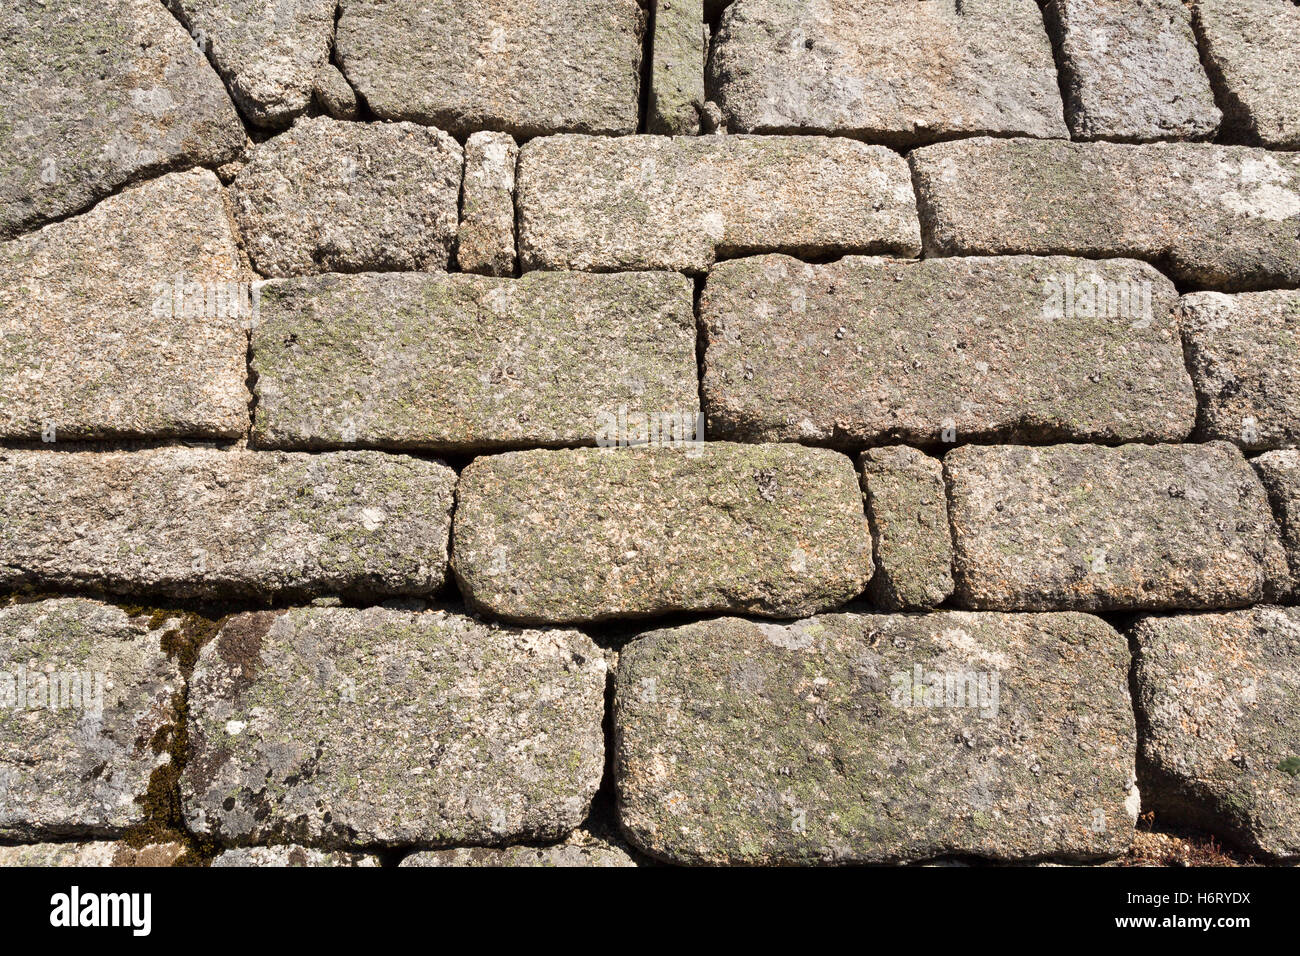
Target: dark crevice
{"points": [[647, 67]]}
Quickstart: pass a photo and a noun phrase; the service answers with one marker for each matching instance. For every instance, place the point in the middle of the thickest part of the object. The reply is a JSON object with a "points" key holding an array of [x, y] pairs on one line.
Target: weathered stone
{"points": [[97, 94], [1085, 527], [344, 728], [864, 351], [676, 70], [466, 363], [203, 523], [836, 739], [291, 856], [590, 534], [1280, 472], [128, 321], [335, 95], [1252, 50], [332, 196], [1244, 355], [1219, 700], [581, 849], [486, 241], [91, 854], [907, 509], [1131, 70], [898, 73], [1226, 217], [652, 202], [88, 694], [267, 51], [518, 66]]}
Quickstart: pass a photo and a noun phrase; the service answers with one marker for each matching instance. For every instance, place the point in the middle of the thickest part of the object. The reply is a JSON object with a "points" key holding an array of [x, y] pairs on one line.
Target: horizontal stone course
{"points": [[464, 363], [1280, 471], [97, 854], [1243, 352], [203, 523], [1219, 699], [341, 728], [868, 351], [335, 196], [1131, 70], [887, 72], [90, 700], [907, 509], [1087, 527], [679, 203], [526, 67], [1219, 217], [128, 321], [291, 856], [592, 534], [581, 849], [1252, 50], [98, 94], [743, 742]]}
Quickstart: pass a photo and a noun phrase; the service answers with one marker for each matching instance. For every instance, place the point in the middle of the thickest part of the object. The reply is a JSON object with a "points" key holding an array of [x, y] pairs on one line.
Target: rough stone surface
{"points": [[653, 202], [1280, 472], [486, 241], [86, 693], [526, 67], [898, 73], [128, 321], [676, 71], [1086, 527], [742, 742], [1219, 699], [1225, 217], [864, 351], [582, 849], [488, 734], [335, 95], [1244, 356], [907, 509], [203, 523], [1132, 71], [590, 534], [99, 93], [267, 51], [90, 854], [291, 856], [332, 196], [463, 363], [1252, 50]]}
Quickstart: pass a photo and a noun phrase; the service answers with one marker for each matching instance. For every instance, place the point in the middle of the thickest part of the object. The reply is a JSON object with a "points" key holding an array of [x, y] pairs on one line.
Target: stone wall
{"points": [[495, 432]]}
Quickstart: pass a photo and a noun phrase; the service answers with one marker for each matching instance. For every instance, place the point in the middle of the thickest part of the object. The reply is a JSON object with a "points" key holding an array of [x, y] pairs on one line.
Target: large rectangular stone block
{"points": [[347, 728], [884, 71], [203, 523], [526, 67], [595, 533], [678, 203], [1131, 70], [129, 321], [864, 351], [1087, 527], [1252, 50], [1222, 217], [1244, 355], [470, 363], [853, 738], [1219, 697], [88, 700]]}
